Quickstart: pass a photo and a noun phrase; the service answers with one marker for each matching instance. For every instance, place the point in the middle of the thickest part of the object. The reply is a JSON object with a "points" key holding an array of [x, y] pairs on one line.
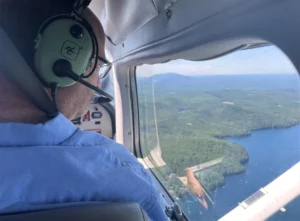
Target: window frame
{"points": [[136, 136]]}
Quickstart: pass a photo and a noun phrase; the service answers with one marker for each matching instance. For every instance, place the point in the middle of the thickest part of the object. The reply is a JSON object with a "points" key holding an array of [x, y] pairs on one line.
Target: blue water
{"points": [[271, 153]]}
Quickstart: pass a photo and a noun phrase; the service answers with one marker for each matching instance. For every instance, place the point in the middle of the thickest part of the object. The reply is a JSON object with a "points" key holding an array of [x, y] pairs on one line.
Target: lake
{"points": [[271, 153]]}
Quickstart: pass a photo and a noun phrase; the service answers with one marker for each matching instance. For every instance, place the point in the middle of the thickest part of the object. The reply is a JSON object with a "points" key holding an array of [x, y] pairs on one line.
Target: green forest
{"points": [[192, 126]]}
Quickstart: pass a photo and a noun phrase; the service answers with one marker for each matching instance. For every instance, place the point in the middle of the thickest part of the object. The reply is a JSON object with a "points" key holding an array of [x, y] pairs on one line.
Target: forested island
{"points": [[194, 114]]}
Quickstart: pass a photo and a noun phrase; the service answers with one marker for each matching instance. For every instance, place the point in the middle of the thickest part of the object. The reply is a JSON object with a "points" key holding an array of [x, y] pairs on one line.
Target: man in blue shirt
{"points": [[46, 163]]}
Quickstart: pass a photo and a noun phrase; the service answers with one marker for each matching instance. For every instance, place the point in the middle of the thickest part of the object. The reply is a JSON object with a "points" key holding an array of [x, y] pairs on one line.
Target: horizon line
{"points": [[200, 75]]}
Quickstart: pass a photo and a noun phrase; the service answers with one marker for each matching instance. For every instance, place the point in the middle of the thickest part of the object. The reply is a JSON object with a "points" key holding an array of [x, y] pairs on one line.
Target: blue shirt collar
{"points": [[50, 133]]}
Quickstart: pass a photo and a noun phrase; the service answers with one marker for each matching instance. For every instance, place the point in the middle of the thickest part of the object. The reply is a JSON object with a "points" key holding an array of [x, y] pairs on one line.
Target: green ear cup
{"points": [[63, 39]]}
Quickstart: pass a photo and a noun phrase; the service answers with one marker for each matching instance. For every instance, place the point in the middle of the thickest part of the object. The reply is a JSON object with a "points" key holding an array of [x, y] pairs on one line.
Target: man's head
{"points": [[21, 20]]}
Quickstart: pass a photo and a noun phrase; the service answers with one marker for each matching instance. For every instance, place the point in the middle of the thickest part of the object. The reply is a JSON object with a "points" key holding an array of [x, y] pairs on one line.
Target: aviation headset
{"points": [[66, 47]]}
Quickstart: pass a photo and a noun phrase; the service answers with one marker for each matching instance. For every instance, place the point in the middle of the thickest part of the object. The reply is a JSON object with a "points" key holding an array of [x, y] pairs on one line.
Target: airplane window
{"points": [[222, 135]]}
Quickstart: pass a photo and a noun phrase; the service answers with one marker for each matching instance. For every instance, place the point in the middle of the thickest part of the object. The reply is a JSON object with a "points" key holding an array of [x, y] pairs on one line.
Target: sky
{"points": [[266, 60]]}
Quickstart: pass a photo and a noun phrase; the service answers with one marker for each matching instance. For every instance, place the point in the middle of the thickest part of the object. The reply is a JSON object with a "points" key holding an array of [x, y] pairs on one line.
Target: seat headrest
{"points": [[90, 212], [16, 70]]}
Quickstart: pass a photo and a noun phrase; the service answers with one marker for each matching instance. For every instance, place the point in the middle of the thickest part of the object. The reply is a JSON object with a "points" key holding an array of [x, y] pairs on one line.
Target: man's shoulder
{"points": [[86, 139], [117, 158]]}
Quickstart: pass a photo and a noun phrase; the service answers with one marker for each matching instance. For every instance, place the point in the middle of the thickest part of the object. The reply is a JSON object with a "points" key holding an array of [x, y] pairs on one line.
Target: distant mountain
{"points": [[171, 76], [174, 82]]}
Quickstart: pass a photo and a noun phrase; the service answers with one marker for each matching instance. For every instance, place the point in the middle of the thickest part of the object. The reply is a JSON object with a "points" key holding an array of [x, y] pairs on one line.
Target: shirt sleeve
{"points": [[156, 206], [157, 211], [134, 181]]}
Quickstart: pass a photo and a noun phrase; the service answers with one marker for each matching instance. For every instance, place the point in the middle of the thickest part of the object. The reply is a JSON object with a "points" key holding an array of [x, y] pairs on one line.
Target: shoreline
{"points": [[219, 185], [246, 161], [249, 133]]}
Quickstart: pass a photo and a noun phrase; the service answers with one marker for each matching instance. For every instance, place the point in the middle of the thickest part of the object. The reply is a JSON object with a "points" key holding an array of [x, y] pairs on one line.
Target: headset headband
{"points": [[79, 7]]}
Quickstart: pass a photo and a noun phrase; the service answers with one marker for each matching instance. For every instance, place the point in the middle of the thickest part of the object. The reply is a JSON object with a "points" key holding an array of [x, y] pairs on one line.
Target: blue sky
{"points": [[266, 60]]}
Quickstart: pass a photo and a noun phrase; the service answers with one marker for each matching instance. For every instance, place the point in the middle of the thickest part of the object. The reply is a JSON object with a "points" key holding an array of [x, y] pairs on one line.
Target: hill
{"points": [[175, 83], [192, 122]]}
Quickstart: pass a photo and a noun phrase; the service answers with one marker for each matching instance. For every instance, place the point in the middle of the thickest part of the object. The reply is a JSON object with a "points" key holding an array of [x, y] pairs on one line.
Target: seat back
{"points": [[91, 212]]}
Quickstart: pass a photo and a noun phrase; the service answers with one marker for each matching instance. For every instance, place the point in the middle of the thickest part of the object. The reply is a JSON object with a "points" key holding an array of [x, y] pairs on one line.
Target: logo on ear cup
{"points": [[70, 50]]}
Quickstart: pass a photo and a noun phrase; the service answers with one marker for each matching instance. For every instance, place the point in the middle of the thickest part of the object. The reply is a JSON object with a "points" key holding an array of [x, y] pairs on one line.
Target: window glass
{"points": [[222, 135], [106, 82]]}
